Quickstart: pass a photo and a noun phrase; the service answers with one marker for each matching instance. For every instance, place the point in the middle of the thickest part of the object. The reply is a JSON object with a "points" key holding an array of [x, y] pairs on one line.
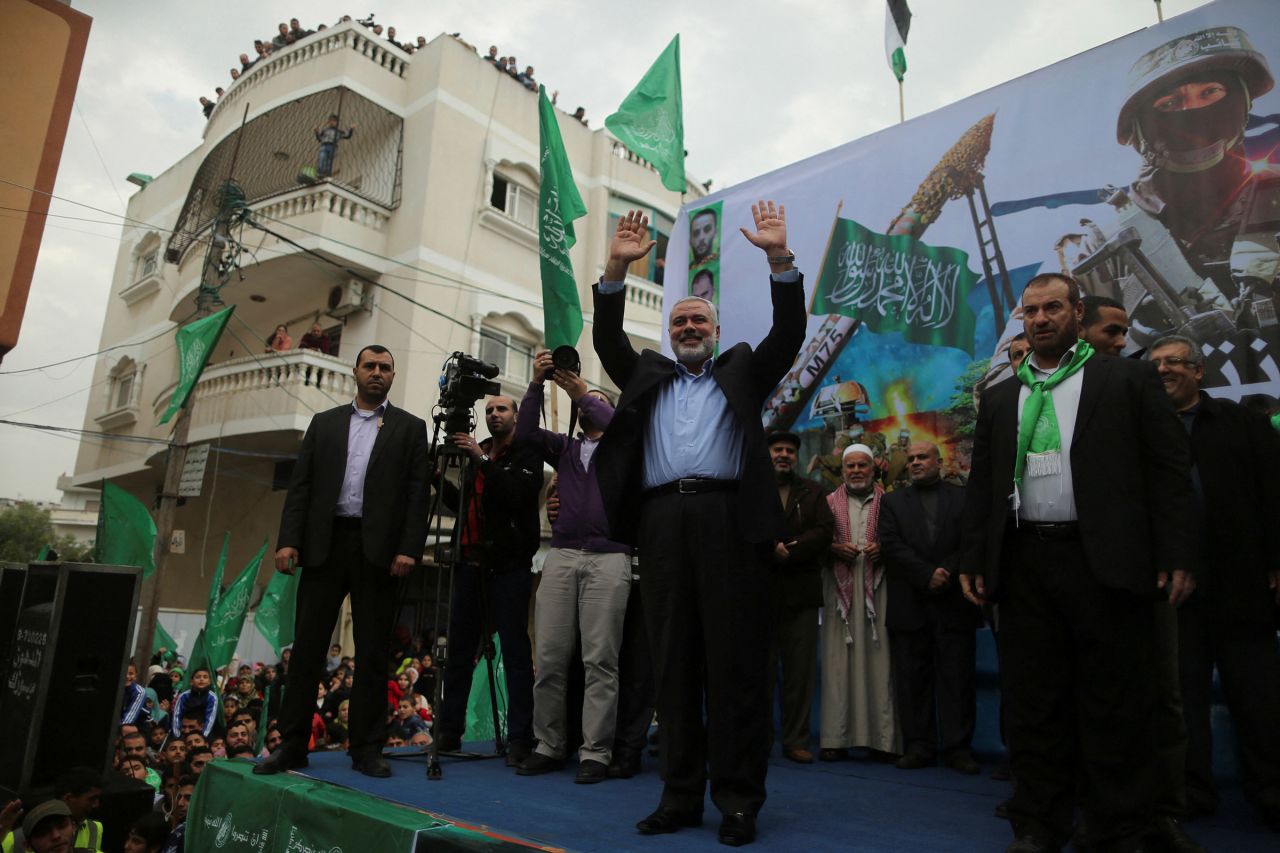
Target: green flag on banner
{"points": [[126, 534], [558, 205], [650, 121], [222, 629], [195, 342], [897, 284], [275, 614]]}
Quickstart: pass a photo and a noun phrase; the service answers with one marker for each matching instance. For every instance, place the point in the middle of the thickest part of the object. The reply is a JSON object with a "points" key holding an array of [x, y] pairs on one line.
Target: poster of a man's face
{"points": [[704, 234], [703, 285]]}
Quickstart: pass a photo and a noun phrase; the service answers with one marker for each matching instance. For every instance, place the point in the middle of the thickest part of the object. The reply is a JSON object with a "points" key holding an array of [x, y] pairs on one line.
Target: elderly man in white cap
{"points": [[857, 688]]}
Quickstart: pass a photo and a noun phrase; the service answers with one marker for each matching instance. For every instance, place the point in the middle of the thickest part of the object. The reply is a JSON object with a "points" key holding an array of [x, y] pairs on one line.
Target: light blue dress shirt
{"points": [[692, 432], [362, 431]]}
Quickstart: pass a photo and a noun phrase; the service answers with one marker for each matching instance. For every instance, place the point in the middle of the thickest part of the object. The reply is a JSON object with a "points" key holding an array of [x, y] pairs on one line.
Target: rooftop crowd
{"points": [[292, 33]]}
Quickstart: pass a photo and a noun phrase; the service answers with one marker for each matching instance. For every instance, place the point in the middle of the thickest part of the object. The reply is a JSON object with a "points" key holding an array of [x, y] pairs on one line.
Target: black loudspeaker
{"points": [[123, 802], [64, 679], [12, 577]]}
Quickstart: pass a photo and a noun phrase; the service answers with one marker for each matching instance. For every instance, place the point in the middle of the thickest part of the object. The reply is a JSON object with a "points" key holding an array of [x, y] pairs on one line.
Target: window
{"points": [[148, 264], [123, 391], [651, 265], [124, 387], [516, 201], [513, 357]]}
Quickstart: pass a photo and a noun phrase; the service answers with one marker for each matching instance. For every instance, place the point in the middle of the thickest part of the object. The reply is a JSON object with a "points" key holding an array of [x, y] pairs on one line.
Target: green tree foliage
{"points": [[961, 407], [25, 529]]}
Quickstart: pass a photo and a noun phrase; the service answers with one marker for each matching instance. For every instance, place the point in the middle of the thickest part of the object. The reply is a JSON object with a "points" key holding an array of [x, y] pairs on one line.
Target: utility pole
{"points": [[164, 530]]}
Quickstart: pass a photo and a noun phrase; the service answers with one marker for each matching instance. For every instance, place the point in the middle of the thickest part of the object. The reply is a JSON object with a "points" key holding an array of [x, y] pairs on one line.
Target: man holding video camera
{"points": [[500, 535]]}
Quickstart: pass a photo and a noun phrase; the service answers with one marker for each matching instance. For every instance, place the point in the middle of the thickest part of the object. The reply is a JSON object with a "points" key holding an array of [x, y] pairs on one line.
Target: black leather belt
{"points": [[348, 521], [691, 486], [1048, 530]]}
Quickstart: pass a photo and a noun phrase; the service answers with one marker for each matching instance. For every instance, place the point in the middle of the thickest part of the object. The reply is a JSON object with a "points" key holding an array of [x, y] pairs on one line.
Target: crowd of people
{"points": [[293, 32]]}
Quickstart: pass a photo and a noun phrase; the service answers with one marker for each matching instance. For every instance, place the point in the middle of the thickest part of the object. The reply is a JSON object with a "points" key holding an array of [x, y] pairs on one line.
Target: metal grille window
{"points": [[517, 202], [513, 357], [148, 264]]}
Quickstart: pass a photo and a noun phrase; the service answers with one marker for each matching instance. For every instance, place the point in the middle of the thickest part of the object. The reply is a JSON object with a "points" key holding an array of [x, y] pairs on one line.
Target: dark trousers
{"points": [[1077, 658], [321, 591], [1167, 721], [508, 614], [934, 672], [1245, 654], [795, 651], [705, 591], [635, 682]]}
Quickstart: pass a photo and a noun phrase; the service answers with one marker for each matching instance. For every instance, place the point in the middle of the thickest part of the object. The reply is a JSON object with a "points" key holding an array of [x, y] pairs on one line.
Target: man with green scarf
{"points": [[1077, 515]]}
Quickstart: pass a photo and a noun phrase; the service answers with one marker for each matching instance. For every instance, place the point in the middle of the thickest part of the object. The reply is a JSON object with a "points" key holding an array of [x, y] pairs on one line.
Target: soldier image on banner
{"points": [[1193, 249]]}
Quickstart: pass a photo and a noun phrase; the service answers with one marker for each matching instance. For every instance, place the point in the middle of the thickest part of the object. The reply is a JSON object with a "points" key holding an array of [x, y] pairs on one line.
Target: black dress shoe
{"points": [[371, 764], [913, 761], [279, 761], [1030, 844], [666, 820], [537, 764], [591, 771], [624, 765], [518, 752], [737, 829], [962, 762], [1174, 838]]}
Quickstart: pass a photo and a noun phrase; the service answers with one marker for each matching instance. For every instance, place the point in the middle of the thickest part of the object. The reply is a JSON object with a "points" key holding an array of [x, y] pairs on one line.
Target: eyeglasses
{"points": [[1173, 361]]}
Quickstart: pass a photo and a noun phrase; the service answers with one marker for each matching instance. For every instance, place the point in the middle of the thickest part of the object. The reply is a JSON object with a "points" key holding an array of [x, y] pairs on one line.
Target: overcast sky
{"points": [[765, 84]]}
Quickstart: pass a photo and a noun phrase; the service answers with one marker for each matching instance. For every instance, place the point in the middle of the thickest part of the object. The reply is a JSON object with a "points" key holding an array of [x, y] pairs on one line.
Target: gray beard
{"points": [[699, 350]]}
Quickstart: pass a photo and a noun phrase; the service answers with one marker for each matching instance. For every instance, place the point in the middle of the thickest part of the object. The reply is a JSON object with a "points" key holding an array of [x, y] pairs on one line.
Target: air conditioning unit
{"points": [[348, 298]]}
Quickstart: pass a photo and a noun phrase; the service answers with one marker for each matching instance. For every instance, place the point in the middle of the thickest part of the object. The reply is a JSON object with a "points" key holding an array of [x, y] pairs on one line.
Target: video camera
{"points": [[464, 382]]}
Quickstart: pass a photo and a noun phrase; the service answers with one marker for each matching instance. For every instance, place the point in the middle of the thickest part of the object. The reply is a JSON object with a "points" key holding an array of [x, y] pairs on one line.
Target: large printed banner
{"points": [[1148, 168]]}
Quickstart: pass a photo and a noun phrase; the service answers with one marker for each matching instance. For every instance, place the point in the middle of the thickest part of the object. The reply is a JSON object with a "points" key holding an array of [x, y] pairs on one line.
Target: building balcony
{"points": [[261, 394], [343, 51]]}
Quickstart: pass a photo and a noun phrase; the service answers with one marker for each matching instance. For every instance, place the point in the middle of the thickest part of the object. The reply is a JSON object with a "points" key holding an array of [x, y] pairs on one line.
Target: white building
{"points": [[435, 196]]}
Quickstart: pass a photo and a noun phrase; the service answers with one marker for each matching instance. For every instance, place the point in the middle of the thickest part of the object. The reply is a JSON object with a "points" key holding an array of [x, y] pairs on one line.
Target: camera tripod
{"points": [[449, 559]]}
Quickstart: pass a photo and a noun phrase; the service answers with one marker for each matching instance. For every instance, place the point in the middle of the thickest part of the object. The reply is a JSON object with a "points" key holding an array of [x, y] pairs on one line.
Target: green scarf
{"points": [[1038, 429]]}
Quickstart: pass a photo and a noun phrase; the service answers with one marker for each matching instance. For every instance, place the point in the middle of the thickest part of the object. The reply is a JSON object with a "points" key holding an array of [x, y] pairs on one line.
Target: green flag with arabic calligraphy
{"points": [[897, 284], [650, 120], [558, 205], [195, 342], [226, 620]]}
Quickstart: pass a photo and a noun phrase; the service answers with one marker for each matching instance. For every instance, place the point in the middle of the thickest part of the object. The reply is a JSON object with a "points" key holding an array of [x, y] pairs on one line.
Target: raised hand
{"points": [[630, 243], [771, 228]]}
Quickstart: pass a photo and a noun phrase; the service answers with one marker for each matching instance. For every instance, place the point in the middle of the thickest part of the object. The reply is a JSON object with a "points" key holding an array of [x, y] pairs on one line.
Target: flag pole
{"points": [[1159, 12], [830, 236], [902, 110]]}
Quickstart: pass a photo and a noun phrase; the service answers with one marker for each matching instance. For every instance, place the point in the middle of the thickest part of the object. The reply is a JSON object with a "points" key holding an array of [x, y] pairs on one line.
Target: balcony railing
{"points": [[325, 198], [349, 36], [644, 294], [265, 393]]}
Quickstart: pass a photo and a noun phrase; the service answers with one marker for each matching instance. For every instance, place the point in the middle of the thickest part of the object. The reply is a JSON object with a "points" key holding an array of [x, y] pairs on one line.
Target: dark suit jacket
{"points": [[806, 520], [394, 520], [746, 377], [1130, 469], [1237, 457], [910, 558]]}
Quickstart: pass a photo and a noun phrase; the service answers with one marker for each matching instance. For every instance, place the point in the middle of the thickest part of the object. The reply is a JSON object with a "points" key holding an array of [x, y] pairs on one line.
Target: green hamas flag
{"points": [[195, 342], [222, 628], [126, 534], [650, 121], [162, 640], [197, 659], [275, 614], [897, 284], [558, 205], [215, 588]]}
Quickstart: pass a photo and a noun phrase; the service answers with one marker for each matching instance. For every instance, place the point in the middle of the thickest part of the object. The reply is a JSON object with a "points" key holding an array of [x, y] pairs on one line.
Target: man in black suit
{"points": [[685, 473], [1072, 523], [931, 627], [796, 593], [1230, 623], [356, 518]]}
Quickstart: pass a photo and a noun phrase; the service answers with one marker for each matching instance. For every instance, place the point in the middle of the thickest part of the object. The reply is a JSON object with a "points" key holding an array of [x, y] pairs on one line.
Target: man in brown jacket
{"points": [[796, 592]]}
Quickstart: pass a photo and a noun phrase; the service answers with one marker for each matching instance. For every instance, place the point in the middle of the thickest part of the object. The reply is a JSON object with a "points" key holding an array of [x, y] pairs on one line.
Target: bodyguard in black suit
{"points": [[1099, 525], [355, 518], [931, 626], [685, 474], [1230, 622]]}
